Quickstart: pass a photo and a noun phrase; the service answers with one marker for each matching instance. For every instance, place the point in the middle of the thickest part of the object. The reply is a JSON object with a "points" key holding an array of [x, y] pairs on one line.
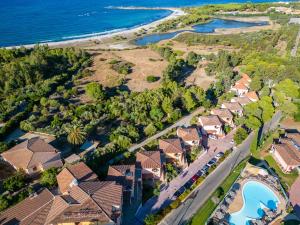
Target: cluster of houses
{"points": [[213, 124], [81, 197]]}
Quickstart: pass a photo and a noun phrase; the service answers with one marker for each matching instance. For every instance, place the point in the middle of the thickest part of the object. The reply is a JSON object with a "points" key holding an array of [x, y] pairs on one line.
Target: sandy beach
{"points": [[127, 33]]}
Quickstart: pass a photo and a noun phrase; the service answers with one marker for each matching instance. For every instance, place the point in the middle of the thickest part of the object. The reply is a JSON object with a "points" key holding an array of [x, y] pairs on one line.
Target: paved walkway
{"points": [[156, 203]]}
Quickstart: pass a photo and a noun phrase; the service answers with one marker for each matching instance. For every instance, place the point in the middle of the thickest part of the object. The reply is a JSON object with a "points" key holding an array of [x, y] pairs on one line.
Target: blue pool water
{"points": [[32, 21], [200, 28], [256, 196]]}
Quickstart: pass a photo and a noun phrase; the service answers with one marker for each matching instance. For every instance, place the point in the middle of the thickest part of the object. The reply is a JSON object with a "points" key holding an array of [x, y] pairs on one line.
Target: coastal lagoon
{"points": [[38, 21], [200, 28]]}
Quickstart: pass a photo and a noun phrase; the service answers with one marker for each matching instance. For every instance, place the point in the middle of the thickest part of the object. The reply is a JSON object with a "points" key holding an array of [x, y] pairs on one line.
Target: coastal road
{"points": [[185, 121]]}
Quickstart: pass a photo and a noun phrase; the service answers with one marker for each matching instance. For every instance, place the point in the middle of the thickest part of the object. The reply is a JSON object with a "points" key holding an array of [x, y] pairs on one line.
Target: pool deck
{"points": [[238, 201]]}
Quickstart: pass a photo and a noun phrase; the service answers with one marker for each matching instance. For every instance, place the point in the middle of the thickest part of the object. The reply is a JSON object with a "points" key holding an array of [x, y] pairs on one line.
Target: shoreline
{"points": [[176, 12]]}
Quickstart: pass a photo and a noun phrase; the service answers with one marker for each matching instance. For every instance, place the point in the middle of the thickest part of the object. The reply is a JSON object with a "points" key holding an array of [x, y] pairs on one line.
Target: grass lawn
{"points": [[209, 206], [285, 178]]}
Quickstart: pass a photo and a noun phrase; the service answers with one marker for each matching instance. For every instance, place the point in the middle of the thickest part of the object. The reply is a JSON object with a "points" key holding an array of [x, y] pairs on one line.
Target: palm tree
{"points": [[76, 134]]}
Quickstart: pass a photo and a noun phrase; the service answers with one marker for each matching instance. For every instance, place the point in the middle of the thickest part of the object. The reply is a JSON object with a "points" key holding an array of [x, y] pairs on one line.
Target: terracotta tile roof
{"points": [[222, 113], [172, 145], [246, 77], [188, 134], [240, 86], [31, 211], [89, 201], [295, 137], [294, 196], [288, 152], [122, 174], [232, 106], [80, 172], [211, 120], [33, 153], [241, 100], [252, 96], [149, 159], [244, 81]]}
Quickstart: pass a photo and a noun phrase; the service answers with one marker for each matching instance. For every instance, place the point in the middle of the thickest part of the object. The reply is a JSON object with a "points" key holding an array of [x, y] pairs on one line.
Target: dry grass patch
{"points": [[146, 62]]}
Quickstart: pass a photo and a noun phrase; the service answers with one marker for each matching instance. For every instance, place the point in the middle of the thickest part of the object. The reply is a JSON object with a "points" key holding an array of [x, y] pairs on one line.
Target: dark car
{"points": [[179, 191], [211, 162], [199, 173], [188, 184]]}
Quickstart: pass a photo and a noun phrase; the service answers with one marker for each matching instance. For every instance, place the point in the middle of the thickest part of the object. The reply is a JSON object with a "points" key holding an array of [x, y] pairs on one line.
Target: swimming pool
{"points": [[256, 196]]}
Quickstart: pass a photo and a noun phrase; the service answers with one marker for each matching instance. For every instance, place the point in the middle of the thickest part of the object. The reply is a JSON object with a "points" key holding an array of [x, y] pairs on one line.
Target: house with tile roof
{"points": [[33, 156], [242, 100], [233, 107], [151, 164], [74, 174], [126, 176], [252, 95], [86, 203], [211, 125], [173, 150], [92, 202], [225, 115], [294, 196], [240, 89], [31, 211], [287, 152], [189, 135]]}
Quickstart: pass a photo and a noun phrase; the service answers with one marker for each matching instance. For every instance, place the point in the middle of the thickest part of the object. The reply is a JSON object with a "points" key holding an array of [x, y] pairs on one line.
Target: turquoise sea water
{"points": [[257, 197], [32, 21]]}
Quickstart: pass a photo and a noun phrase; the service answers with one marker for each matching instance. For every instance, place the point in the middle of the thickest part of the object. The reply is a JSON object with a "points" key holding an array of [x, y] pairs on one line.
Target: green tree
{"points": [[240, 135], [189, 101], [156, 114], [76, 134], [150, 220], [48, 177], [171, 172], [253, 122], [256, 84], [95, 90], [150, 130], [288, 87], [15, 182], [3, 203]]}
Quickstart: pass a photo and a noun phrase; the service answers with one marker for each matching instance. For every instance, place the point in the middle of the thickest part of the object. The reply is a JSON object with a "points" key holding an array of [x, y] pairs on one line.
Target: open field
{"points": [[146, 62]]}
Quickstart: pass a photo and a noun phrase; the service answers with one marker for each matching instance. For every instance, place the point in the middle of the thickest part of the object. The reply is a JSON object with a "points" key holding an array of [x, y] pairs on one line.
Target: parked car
{"points": [[219, 155], [195, 177], [179, 191], [188, 184], [211, 162], [204, 169], [213, 137], [199, 173]]}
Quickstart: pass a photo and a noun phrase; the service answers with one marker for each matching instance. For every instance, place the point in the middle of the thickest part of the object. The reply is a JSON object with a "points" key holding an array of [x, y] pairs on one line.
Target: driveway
{"points": [[156, 203]]}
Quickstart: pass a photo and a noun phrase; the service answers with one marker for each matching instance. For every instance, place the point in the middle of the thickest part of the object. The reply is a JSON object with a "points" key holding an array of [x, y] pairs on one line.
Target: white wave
{"points": [[94, 34]]}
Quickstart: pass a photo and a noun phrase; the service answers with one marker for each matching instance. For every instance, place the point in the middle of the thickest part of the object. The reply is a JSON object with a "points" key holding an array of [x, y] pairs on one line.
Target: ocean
{"points": [[36, 21]]}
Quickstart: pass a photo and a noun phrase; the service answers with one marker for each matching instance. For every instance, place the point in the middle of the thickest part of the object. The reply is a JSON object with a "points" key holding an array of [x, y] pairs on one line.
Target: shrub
{"points": [[152, 78]]}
